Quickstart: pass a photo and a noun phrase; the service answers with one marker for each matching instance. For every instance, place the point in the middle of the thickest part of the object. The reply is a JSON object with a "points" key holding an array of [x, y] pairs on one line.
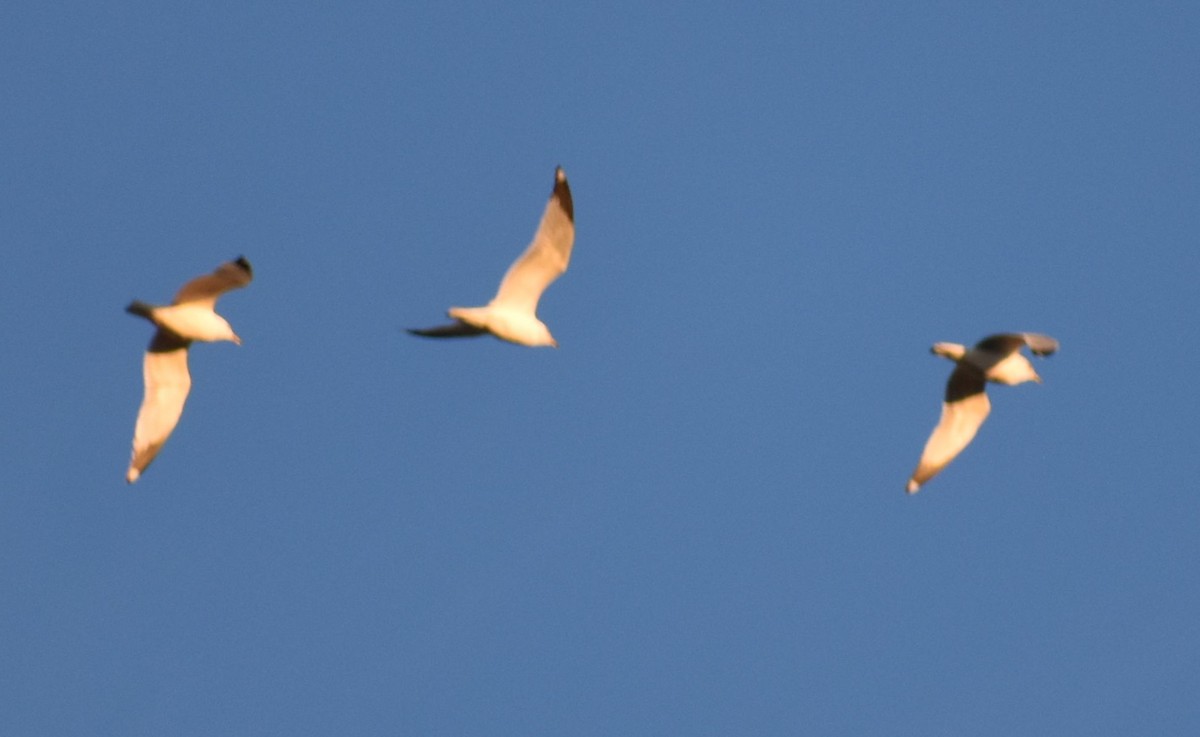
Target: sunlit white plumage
{"points": [[996, 358], [512, 313], [189, 317]]}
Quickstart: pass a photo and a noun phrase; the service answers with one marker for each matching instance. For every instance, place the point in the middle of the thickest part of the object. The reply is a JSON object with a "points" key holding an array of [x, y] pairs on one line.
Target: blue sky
{"points": [[689, 519]]}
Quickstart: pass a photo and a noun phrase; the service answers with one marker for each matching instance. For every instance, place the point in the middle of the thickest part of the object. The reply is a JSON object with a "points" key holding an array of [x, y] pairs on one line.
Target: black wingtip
{"points": [[562, 192], [245, 265]]}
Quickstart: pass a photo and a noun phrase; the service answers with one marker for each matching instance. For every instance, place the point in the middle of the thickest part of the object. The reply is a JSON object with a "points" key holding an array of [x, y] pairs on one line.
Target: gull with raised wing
{"points": [[996, 358], [511, 315], [191, 316]]}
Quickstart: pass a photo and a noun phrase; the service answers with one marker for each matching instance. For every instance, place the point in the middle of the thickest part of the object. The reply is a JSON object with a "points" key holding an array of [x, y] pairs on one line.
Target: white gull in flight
{"points": [[511, 315], [189, 317], [996, 358]]}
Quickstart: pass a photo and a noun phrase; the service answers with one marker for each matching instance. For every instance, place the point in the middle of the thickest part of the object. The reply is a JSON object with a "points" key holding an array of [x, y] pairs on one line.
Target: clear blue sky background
{"points": [[690, 519]]}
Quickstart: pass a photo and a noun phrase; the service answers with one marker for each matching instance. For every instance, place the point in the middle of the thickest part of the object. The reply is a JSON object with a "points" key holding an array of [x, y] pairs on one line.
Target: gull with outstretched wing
{"points": [[191, 316], [512, 313], [996, 358]]}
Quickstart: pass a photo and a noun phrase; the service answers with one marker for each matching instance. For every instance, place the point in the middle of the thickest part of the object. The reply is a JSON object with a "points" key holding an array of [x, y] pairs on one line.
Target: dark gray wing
{"points": [[964, 381], [1005, 343], [1002, 344]]}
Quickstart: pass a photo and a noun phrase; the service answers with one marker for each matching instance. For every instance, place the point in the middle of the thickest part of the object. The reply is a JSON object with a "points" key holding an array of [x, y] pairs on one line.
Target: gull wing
{"points": [[457, 329], [1001, 344], [1041, 345], [205, 289], [964, 410], [547, 256], [1005, 343], [165, 372]]}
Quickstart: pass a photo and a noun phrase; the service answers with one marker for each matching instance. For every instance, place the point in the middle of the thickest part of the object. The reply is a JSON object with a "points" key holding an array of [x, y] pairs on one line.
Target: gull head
{"points": [[222, 330], [537, 334], [532, 333]]}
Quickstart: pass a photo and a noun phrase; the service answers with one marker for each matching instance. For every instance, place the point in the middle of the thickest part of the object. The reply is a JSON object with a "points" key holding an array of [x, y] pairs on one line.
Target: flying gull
{"points": [[996, 358], [190, 317], [511, 315]]}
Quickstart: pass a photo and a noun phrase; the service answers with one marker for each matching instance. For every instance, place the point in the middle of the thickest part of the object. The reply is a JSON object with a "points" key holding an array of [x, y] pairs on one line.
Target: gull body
{"points": [[512, 313], [1011, 369], [190, 317], [996, 358], [188, 320], [515, 326]]}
